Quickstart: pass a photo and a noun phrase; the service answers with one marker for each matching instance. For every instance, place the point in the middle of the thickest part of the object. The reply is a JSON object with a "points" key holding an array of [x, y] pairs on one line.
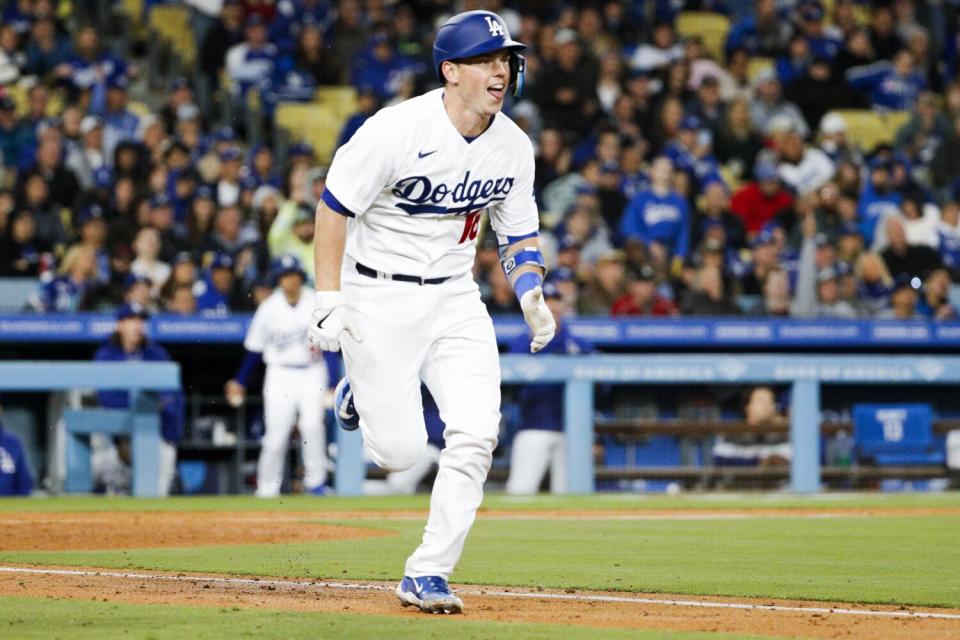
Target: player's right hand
{"points": [[329, 321], [235, 392]]}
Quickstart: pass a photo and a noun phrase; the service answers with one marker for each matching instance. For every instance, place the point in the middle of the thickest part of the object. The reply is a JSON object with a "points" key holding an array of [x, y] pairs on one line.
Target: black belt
{"points": [[364, 270]]}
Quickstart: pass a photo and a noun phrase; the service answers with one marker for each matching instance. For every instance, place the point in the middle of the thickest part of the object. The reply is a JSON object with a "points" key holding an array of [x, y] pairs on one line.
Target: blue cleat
{"points": [[321, 490], [343, 409], [430, 593]]}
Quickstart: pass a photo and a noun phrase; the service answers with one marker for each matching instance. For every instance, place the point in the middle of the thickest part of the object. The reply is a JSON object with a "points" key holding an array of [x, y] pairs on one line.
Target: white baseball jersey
{"points": [[279, 331], [417, 188]]}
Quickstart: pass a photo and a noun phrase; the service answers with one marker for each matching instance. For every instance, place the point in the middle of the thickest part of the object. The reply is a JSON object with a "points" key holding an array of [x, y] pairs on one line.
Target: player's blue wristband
{"points": [[529, 256], [526, 282], [251, 360]]}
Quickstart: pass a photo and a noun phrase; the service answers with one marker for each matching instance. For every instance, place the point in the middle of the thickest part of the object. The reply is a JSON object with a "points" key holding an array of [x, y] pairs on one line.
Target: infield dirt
{"points": [[111, 530]]}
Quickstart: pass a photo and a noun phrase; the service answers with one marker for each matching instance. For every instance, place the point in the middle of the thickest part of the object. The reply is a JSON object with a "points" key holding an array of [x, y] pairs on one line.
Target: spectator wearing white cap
{"points": [[768, 103], [833, 140], [90, 155]]}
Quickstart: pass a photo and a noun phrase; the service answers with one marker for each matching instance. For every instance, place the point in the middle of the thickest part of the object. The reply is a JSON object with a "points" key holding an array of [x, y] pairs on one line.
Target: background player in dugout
{"points": [[539, 445], [294, 384], [392, 285]]}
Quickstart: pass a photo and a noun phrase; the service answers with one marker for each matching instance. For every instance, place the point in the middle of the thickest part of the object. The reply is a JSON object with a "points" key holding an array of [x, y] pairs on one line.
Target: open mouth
{"points": [[496, 91]]}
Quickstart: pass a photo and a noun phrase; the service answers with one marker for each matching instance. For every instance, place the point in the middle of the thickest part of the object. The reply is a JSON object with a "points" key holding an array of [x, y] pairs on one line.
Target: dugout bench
{"points": [[804, 374], [141, 421]]}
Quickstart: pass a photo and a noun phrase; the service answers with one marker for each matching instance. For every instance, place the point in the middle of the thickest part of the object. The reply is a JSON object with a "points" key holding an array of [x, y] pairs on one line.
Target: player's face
{"points": [[482, 80], [290, 284], [131, 330]]}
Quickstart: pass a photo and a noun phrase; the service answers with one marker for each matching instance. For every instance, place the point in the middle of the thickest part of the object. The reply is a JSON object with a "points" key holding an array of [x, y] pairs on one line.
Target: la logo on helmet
{"points": [[496, 29]]}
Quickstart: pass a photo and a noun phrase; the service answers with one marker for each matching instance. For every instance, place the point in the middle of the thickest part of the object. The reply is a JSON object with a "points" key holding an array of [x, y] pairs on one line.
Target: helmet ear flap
{"points": [[518, 68]]}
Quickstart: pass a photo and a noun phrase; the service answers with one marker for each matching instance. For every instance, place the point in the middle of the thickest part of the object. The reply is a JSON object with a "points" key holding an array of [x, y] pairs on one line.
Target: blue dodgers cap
{"points": [[850, 229], [255, 20], [221, 261], [230, 154], [822, 240], [133, 278], [301, 149], [690, 123], [181, 258], [89, 213], [764, 237], [551, 291], [203, 192], [159, 200], [561, 274], [102, 178], [906, 281], [765, 171], [469, 34], [225, 134], [118, 81], [132, 310]]}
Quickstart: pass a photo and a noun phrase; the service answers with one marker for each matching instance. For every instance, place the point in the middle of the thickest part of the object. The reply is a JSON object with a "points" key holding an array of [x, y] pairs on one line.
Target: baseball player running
{"points": [[293, 385], [395, 241]]}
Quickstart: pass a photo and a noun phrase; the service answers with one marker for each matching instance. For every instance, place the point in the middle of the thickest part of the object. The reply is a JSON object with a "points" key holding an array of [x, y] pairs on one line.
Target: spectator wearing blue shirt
{"points": [[763, 34], [820, 42], [367, 104], [120, 124], [47, 49], [878, 199], [934, 302], [948, 233], [129, 343], [690, 152], [66, 293], [539, 444], [13, 137], [381, 67], [215, 289], [15, 477], [894, 86], [659, 215], [89, 67], [252, 61]]}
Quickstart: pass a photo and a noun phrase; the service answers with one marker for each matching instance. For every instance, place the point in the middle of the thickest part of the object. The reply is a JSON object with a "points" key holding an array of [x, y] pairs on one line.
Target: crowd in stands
{"points": [[671, 181]]}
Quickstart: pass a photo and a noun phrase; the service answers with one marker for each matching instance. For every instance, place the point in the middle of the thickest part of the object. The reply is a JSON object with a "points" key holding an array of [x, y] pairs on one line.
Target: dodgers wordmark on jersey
{"points": [[418, 188], [279, 331]]}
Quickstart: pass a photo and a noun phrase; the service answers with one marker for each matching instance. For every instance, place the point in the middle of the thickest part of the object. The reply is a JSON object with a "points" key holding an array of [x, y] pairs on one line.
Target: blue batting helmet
{"points": [[286, 264], [474, 33]]}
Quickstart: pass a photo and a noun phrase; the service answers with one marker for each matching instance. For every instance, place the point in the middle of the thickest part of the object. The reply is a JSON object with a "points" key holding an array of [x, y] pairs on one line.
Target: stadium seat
{"points": [[342, 99], [14, 293], [870, 128], [895, 434], [172, 23], [317, 123], [758, 65], [711, 27]]}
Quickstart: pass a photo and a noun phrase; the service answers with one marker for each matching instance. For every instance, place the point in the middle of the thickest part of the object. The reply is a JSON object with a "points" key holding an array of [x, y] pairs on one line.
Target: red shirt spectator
{"points": [[759, 202], [641, 298]]}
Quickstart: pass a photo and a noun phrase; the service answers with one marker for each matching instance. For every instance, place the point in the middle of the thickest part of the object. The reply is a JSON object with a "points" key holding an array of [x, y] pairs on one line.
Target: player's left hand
{"points": [[538, 317], [329, 321]]}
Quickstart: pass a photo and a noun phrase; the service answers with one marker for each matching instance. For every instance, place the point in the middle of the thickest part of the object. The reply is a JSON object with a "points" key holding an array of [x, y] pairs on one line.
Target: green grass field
{"points": [[898, 558]]}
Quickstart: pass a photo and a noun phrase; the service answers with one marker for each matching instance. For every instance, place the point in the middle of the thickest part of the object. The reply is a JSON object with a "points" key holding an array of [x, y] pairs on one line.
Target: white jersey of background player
{"points": [[294, 383], [394, 290]]}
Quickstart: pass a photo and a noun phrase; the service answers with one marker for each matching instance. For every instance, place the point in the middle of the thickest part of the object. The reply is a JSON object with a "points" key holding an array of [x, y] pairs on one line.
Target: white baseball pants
{"points": [[532, 453], [443, 335], [292, 396], [404, 483]]}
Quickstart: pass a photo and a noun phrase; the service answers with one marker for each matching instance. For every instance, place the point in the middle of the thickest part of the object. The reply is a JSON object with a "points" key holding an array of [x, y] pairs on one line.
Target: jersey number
{"points": [[471, 224]]}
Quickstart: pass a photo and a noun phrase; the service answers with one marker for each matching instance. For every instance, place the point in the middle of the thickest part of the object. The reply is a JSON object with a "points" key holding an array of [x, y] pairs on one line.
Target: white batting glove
{"points": [[329, 321], [538, 317]]}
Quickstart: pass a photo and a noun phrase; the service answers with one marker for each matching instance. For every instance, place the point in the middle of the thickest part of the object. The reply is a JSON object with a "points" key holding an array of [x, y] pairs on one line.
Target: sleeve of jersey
{"points": [[256, 339], [517, 217], [361, 168]]}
